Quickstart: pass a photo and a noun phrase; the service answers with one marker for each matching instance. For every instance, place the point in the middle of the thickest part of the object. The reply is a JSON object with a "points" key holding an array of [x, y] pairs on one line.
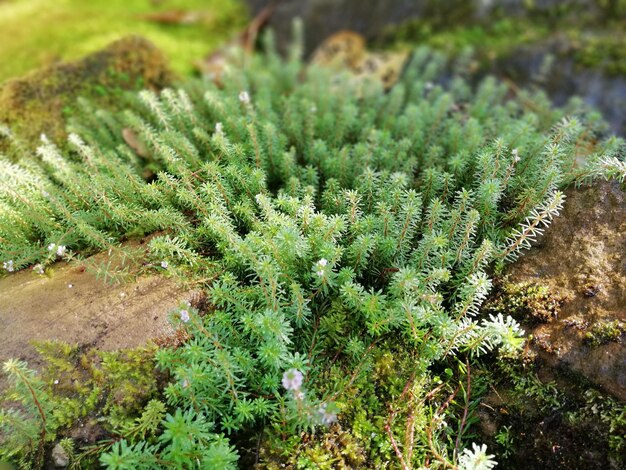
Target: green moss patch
{"points": [[605, 332], [527, 301]]}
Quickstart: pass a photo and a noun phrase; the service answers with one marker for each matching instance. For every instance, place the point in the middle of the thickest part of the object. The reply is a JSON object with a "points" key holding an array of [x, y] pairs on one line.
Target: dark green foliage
{"points": [[558, 411]]}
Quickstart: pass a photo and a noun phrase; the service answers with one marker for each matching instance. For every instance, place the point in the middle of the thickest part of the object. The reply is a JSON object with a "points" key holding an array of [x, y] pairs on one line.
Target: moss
{"points": [[110, 387], [82, 397], [392, 399], [604, 332], [526, 301], [488, 41], [603, 50], [594, 39], [40, 102], [335, 448], [34, 33]]}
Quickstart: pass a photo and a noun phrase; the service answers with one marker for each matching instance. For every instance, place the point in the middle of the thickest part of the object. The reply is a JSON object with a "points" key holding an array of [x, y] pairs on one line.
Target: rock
{"points": [[325, 17], [90, 313], [60, 459], [582, 258], [564, 77], [38, 103]]}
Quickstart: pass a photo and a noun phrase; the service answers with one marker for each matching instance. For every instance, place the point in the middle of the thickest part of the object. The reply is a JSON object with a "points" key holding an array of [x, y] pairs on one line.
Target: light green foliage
{"points": [[505, 438], [337, 230], [25, 432]]}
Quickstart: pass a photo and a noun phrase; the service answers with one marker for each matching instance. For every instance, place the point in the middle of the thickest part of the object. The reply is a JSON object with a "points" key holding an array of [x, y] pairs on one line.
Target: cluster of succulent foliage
{"points": [[526, 302], [603, 332], [343, 236]]}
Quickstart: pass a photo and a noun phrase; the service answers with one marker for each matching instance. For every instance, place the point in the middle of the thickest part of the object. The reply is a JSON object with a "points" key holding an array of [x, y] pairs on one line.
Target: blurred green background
{"points": [[38, 32]]}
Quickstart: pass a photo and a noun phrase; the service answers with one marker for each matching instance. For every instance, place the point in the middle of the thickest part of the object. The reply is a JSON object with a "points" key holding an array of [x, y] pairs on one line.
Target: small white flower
{"points": [[38, 268], [186, 383], [326, 417], [51, 247], [292, 379], [515, 153], [298, 395], [320, 267], [429, 86], [70, 286], [8, 266], [44, 138], [164, 264], [184, 316], [56, 382], [219, 128], [476, 459], [61, 250], [244, 97]]}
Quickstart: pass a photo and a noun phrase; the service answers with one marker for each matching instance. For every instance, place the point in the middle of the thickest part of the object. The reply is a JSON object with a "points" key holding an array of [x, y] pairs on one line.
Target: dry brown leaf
{"points": [[180, 17], [133, 141]]}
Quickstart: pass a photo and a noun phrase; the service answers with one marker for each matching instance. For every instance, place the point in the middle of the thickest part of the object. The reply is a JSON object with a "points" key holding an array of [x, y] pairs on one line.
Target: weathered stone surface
{"points": [[60, 459], [582, 257], [550, 66], [37, 103], [371, 18], [74, 306]]}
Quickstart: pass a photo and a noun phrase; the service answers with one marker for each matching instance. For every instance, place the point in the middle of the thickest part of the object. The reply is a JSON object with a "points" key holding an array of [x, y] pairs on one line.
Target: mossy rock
{"points": [[581, 260], [39, 102]]}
